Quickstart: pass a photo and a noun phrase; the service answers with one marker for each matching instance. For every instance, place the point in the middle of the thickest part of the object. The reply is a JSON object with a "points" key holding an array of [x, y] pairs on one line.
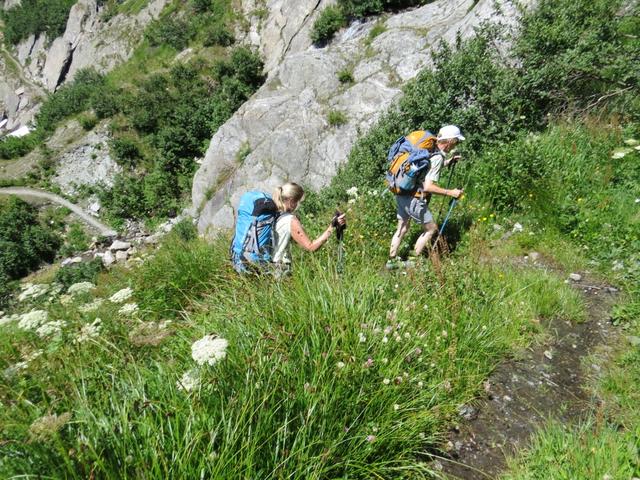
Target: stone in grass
{"points": [[121, 256], [467, 412], [108, 258], [576, 277], [633, 340], [119, 245]]}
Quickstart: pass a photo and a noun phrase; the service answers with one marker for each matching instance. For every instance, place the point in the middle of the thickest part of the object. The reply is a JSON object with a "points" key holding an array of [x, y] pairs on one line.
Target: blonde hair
{"points": [[288, 191]]}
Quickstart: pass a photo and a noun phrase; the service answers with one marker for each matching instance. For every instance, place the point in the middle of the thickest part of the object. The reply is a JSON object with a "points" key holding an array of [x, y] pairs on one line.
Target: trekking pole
{"points": [[446, 219], [453, 167], [339, 236]]}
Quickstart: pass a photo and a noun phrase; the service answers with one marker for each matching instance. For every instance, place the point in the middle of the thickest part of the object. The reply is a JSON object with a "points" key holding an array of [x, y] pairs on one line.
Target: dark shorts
{"points": [[414, 209]]}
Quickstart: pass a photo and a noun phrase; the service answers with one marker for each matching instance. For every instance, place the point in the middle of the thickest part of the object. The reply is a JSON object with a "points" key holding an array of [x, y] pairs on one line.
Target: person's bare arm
{"points": [[301, 238], [431, 187]]}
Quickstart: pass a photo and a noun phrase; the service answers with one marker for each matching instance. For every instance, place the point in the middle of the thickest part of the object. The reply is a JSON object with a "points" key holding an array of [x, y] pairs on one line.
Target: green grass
{"points": [[401, 352]]}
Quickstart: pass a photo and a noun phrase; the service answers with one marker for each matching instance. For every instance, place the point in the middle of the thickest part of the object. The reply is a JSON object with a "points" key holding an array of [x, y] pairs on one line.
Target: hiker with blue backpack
{"points": [[264, 229], [415, 163]]}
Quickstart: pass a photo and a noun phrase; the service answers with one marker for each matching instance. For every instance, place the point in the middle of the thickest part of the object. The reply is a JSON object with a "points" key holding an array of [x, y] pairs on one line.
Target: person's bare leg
{"points": [[403, 228], [423, 240]]}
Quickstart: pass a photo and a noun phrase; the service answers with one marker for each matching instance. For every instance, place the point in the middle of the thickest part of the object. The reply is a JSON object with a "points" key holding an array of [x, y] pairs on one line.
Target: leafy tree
{"points": [[24, 242]]}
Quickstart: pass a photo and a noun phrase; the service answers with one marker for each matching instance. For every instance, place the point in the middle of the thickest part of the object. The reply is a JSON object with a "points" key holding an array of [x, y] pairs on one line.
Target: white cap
{"points": [[449, 132]]}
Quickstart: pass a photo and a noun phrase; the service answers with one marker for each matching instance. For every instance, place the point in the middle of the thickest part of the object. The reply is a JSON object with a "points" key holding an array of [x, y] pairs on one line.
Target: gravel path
{"points": [[31, 193]]}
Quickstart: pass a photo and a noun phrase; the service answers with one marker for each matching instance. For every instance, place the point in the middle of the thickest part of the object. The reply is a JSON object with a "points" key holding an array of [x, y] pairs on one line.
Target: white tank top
{"points": [[282, 239]]}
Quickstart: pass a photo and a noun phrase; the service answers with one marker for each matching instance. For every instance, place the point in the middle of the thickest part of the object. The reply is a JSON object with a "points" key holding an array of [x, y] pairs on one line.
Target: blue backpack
{"points": [[408, 159], [253, 240]]}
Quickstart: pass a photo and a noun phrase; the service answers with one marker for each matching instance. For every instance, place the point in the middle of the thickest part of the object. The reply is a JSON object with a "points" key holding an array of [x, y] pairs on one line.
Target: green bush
{"points": [[171, 31], [107, 103], [70, 99], [79, 272], [87, 121], [35, 17], [76, 240], [24, 242], [14, 147], [218, 34], [336, 118], [125, 151], [331, 20], [345, 76], [185, 230]]}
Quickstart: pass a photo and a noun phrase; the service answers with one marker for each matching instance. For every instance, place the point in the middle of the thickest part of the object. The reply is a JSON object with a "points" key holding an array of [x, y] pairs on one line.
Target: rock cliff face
{"points": [[284, 125], [280, 27], [88, 41]]}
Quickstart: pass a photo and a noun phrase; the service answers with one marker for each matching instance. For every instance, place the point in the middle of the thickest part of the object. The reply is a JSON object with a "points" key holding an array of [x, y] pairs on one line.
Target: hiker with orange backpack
{"points": [[415, 163]]}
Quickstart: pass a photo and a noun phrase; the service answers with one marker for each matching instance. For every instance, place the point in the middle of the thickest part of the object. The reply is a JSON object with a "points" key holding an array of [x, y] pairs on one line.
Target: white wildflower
{"points": [[209, 349], [351, 201], [386, 381], [91, 307], [385, 339], [89, 331], [121, 295], [620, 153], [632, 142], [80, 288], [617, 265], [189, 381], [128, 309], [9, 318], [388, 330], [30, 357], [353, 192], [396, 407], [517, 228], [340, 365], [362, 338], [49, 425], [50, 329], [66, 300], [32, 291], [33, 319], [420, 384]]}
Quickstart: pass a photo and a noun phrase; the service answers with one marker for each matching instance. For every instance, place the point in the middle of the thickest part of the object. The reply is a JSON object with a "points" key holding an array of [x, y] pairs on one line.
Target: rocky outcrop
{"points": [[285, 124], [87, 163], [279, 27], [88, 41]]}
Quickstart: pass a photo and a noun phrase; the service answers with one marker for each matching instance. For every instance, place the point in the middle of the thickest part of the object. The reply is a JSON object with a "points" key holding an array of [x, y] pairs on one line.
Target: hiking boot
{"points": [[410, 262], [394, 264]]}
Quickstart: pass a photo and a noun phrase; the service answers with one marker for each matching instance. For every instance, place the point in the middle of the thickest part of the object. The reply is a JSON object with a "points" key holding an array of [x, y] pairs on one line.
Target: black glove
{"points": [[339, 228]]}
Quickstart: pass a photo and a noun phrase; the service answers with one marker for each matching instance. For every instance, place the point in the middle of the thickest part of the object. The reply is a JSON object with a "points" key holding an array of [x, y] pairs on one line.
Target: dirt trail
{"points": [[544, 382], [30, 193]]}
